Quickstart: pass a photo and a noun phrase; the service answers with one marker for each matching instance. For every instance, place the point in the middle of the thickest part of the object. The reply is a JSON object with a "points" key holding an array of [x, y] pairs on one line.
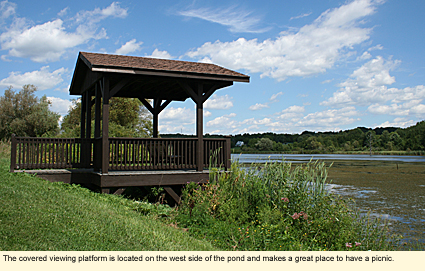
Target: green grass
{"points": [[39, 215]]}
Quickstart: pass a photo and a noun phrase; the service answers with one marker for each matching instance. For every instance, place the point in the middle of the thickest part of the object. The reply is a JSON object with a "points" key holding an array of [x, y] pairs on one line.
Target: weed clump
{"points": [[277, 207]]}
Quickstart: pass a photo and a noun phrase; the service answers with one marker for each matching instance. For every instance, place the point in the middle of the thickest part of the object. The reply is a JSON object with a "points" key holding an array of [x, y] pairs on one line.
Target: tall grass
{"points": [[277, 208]]}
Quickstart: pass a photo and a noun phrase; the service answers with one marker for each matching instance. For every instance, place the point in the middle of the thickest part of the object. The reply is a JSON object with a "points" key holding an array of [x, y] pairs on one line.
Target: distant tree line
{"points": [[360, 139]]}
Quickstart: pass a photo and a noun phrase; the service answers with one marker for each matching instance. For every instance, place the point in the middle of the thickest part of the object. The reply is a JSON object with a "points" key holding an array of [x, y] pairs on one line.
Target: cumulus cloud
{"points": [[366, 85], [59, 105], [219, 102], [160, 54], [292, 113], [235, 18], [129, 47], [313, 49], [49, 41], [42, 79], [224, 121], [398, 122], [329, 119], [258, 106], [179, 113], [369, 86]]}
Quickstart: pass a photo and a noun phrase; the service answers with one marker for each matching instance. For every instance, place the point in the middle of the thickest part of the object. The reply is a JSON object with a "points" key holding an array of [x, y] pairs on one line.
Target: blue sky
{"points": [[315, 65]]}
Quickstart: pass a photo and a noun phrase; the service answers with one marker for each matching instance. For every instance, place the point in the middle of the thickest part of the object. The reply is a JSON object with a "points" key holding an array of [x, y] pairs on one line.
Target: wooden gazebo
{"points": [[122, 162]]}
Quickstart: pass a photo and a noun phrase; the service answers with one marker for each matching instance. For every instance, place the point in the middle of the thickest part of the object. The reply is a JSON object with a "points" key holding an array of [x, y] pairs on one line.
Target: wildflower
{"points": [[285, 199], [358, 244], [295, 216], [348, 245]]}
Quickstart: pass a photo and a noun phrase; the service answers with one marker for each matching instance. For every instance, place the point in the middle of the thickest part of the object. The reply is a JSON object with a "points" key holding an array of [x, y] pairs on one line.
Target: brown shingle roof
{"points": [[145, 63]]}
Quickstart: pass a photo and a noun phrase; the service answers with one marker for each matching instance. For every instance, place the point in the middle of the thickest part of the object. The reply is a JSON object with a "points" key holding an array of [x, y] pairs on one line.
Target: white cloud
{"points": [[179, 113], [63, 12], [258, 106], [96, 15], [398, 122], [160, 54], [129, 47], [292, 113], [377, 47], [50, 40], [366, 85], [329, 119], [300, 16], [42, 79], [219, 102], [274, 96], [224, 121], [272, 99], [59, 105], [369, 86], [7, 9], [312, 50], [237, 19]]}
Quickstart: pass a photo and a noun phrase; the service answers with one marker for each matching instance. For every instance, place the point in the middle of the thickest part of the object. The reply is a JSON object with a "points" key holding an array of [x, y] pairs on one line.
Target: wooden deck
{"points": [[132, 161], [119, 180]]}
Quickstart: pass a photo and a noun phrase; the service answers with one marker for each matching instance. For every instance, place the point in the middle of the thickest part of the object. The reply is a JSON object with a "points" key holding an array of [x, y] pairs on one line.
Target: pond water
{"points": [[302, 158], [391, 187]]}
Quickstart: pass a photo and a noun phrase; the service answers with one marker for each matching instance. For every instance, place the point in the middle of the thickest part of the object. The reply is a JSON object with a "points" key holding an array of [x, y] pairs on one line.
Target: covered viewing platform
{"points": [[112, 164]]}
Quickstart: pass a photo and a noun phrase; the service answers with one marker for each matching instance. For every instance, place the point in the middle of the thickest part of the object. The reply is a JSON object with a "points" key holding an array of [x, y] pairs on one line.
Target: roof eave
{"points": [[202, 76]]}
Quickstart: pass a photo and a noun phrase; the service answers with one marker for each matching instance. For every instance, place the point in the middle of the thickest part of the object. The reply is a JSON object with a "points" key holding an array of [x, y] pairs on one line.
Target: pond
{"points": [[391, 187]]}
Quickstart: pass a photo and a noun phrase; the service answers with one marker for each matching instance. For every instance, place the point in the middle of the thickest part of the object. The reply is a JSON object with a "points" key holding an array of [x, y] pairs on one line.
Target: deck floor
{"points": [[114, 179]]}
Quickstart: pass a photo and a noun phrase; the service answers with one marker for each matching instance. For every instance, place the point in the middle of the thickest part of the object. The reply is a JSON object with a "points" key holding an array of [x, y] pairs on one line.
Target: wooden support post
{"points": [[106, 190], [97, 155], [83, 116], [88, 115], [156, 105], [97, 109], [200, 130], [105, 127], [13, 153]]}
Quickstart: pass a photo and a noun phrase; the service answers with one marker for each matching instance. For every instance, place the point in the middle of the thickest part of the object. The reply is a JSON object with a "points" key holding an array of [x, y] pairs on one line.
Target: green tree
{"points": [[265, 144], [24, 114], [127, 118]]}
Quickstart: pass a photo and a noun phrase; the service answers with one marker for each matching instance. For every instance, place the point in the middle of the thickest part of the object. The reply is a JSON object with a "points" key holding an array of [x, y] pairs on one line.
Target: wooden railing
{"points": [[44, 153], [124, 153], [151, 153]]}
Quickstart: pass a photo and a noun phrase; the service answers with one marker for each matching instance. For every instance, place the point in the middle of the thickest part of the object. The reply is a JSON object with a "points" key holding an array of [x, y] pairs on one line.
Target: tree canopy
{"points": [[127, 118], [24, 114]]}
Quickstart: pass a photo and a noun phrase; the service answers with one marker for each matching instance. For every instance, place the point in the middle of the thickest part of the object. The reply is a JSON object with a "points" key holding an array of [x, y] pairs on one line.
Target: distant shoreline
{"points": [[406, 153]]}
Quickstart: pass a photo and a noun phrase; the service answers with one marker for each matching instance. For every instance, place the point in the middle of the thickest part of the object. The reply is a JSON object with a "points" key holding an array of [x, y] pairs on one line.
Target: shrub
{"points": [[277, 207]]}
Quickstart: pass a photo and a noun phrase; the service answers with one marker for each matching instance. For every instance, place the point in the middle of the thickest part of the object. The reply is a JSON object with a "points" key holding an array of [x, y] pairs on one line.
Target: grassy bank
{"points": [[39, 215]]}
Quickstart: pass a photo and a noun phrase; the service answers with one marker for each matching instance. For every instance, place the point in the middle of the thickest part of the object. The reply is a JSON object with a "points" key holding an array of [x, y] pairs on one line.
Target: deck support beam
{"points": [[173, 194]]}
